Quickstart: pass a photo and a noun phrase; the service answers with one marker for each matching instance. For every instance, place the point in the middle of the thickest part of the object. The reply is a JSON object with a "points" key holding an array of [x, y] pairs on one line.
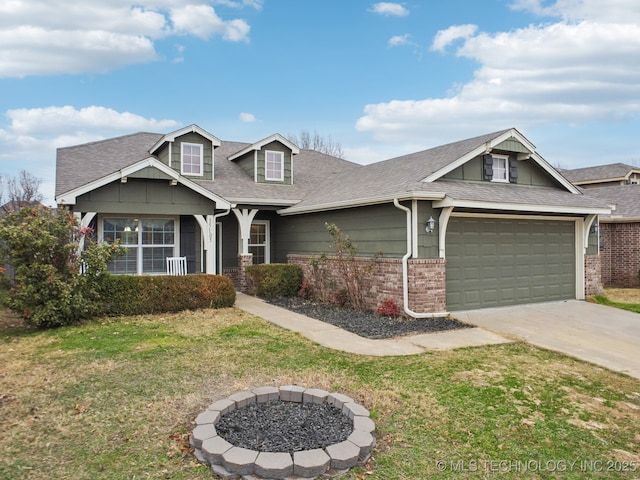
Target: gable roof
{"points": [[276, 137], [600, 173], [170, 137], [416, 176], [625, 199]]}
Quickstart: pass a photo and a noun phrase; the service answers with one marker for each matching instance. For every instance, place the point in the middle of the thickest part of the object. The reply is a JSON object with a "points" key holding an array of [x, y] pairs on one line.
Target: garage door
{"points": [[493, 262]]}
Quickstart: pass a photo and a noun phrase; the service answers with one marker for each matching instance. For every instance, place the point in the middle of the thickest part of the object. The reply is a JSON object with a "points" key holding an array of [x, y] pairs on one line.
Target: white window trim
{"points": [[506, 166], [201, 147], [267, 244], [139, 245], [266, 175]]}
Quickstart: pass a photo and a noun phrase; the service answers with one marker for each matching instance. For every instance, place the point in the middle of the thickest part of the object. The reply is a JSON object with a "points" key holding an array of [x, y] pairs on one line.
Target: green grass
{"points": [[116, 399], [631, 307]]}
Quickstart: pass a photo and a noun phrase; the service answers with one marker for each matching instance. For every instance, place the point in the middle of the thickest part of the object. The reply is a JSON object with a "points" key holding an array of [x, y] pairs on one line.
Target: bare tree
{"points": [[317, 142], [16, 193]]}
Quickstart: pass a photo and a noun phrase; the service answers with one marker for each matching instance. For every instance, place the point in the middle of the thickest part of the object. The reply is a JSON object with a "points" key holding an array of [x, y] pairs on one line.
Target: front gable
{"points": [[508, 158], [268, 161]]}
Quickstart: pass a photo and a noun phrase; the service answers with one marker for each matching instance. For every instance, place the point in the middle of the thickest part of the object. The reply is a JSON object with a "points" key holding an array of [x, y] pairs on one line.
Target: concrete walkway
{"points": [[339, 339], [602, 335]]}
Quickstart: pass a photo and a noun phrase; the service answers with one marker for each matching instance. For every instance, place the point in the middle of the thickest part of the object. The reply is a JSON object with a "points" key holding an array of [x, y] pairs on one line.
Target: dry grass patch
{"points": [[623, 295]]}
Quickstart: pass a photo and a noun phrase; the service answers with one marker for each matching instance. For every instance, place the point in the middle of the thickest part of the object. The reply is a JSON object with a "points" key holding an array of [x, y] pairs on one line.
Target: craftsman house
{"points": [[476, 223], [620, 230]]}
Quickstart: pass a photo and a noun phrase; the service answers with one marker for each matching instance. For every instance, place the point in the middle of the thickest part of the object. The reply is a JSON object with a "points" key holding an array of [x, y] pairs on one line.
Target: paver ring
{"points": [[233, 462]]}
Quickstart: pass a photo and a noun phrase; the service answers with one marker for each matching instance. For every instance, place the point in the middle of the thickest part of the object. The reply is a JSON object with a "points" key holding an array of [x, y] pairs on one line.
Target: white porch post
{"points": [[245, 218], [83, 222], [208, 228]]}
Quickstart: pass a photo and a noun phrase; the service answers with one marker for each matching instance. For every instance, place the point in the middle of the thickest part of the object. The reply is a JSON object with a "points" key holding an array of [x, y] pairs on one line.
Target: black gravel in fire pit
{"points": [[278, 426], [367, 324]]}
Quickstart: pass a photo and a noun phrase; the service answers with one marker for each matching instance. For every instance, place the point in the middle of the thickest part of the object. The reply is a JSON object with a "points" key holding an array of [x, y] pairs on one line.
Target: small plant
{"points": [[388, 308]]}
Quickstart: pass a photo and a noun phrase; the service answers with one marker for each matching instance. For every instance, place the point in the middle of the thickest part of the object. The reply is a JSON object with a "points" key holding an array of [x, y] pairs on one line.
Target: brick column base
{"points": [[244, 260], [592, 276]]}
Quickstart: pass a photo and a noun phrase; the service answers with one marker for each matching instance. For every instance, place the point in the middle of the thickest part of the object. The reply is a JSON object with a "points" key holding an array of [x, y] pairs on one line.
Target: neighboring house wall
{"points": [[620, 254]]}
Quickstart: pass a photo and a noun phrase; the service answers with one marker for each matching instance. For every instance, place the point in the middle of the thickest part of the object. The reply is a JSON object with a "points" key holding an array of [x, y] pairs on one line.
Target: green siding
{"points": [[372, 229], [137, 196], [427, 242], [247, 163], [288, 165], [493, 262], [207, 153], [529, 173], [512, 145]]}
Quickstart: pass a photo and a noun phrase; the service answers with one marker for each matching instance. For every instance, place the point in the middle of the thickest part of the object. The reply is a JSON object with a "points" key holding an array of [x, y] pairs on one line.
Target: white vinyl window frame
{"points": [[273, 166], [266, 245], [139, 245], [500, 169], [192, 159]]}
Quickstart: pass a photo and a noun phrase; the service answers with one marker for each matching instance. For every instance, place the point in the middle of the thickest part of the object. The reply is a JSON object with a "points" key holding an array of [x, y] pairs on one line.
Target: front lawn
{"points": [[116, 399], [623, 298]]}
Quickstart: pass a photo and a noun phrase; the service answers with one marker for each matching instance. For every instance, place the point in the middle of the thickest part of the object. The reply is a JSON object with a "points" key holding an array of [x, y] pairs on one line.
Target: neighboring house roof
{"points": [[625, 198], [600, 173]]}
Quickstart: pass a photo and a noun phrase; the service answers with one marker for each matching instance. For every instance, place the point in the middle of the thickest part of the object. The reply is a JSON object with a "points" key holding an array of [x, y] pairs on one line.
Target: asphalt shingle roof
{"points": [[626, 198], [598, 172]]}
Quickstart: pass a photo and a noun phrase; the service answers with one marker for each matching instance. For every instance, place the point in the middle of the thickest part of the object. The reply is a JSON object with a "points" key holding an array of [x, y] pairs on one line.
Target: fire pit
{"points": [[283, 432]]}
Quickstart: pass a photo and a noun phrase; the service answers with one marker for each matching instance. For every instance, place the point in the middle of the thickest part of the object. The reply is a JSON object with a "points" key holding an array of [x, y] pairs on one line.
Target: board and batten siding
{"points": [[529, 173], [207, 153], [372, 229], [143, 196], [288, 170]]}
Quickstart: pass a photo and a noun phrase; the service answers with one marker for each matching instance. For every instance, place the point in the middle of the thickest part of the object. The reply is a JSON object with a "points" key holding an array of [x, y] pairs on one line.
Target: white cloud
{"points": [[247, 117], [31, 137], [616, 11], [558, 73], [389, 9], [44, 37], [444, 38], [398, 40]]}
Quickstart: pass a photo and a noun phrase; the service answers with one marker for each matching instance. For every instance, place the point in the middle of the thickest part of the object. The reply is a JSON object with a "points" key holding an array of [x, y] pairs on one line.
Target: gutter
{"points": [[405, 272]]}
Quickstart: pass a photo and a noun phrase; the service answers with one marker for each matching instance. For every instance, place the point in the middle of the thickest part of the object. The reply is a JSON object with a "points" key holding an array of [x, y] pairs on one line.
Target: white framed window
{"points": [[500, 168], [191, 159], [149, 241], [274, 165], [259, 242]]}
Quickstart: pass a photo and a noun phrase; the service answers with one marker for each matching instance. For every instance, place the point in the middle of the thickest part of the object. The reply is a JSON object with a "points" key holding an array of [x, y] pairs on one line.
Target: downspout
{"points": [[216, 247], [405, 272]]}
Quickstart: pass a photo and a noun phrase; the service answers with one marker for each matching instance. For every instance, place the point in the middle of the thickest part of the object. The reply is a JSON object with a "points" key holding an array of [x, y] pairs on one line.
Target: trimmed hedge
{"points": [[274, 279], [137, 295]]}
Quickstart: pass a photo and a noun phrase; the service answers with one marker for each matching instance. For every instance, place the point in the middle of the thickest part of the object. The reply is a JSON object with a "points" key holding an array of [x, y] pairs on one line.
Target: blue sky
{"points": [[380, 78]]}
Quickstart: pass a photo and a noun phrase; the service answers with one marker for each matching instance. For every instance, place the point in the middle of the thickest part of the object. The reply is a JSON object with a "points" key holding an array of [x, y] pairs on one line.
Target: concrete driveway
{"points": [[605, 336]]}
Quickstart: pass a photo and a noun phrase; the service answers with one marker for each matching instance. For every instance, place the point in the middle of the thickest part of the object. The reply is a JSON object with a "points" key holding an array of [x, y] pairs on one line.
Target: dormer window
{"points": [[191, 156], [274, 166], [500, 168]]}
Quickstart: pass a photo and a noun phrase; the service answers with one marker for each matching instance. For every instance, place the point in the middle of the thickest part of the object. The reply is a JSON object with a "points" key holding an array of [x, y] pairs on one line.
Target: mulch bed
{"points": [[278, 426], [367, 324]]}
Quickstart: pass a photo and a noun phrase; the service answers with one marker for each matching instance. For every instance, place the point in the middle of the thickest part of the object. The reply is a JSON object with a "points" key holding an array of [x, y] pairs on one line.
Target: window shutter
{"points": [[487, 167], [513, 170]]}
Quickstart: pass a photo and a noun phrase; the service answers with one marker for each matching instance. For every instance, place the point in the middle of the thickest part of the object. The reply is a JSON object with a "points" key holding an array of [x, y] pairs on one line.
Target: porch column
{"points": [[83, 222], [208, 229], [245, 218]]}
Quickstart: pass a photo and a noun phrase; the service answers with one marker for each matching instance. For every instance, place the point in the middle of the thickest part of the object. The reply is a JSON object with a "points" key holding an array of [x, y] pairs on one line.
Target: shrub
{"points": [[388, 308], [136, 295], [46, 287], [275, 279]]}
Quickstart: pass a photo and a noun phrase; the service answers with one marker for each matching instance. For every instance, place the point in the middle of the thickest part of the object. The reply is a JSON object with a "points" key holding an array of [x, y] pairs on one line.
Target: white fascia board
{"points": [[276, 137], [449, 202], [262, 201], [69, 198], [361, 202], [555, 174], [170, 137]]}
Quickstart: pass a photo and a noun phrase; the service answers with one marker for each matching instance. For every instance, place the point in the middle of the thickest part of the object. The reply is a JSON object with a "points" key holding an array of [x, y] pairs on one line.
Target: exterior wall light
{"points": [[430, 226]]}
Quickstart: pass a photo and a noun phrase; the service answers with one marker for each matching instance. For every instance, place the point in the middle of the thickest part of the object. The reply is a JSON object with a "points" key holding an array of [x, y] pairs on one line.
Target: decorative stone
{"points": [[220, 471], [239, 460], [363, 440], [310, 463], [213, 448], [243, 399], [314, 395], [363, 423], [343, 455], [338, 400], [223, 406], [274, 465], [201, 433], [208, 416], [352, 409], [266, 394], [291, 393]]}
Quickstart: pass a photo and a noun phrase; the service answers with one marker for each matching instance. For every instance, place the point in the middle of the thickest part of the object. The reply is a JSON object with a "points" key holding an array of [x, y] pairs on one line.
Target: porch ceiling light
{"points": [[430, 225]]}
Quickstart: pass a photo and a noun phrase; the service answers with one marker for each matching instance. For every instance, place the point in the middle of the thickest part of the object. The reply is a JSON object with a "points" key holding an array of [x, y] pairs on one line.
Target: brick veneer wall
{"points": [[592, 275], [238, 275], [426, 280], [620, 254]]}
